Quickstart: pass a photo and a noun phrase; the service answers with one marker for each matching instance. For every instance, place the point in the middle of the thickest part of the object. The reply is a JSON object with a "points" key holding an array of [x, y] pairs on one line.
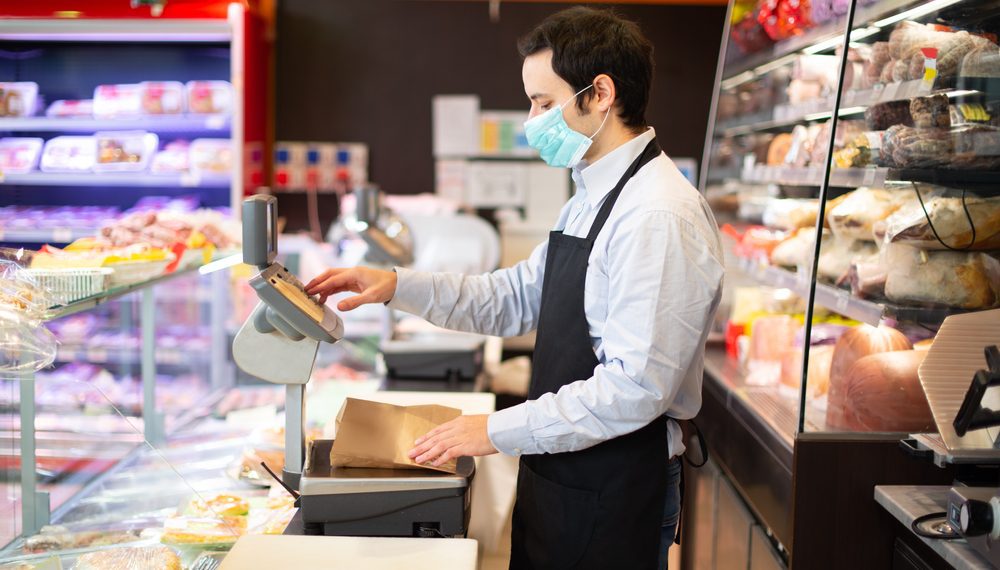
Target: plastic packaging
{"points": [[966, 280], [132, 558], [69, 154], [123, 100], [25, 345], [209, 97], [124, 151], [71, 108], [211, 156], [791, 214], [162, 97], [853, 217], [782, 19], [881, 116], [19, 154], [18, 99], [173, 159], [931, 112], [946, 216]]}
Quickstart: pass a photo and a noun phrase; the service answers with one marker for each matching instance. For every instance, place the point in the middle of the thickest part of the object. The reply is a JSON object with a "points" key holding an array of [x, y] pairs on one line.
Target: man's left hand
{"points": [[462, 436]]}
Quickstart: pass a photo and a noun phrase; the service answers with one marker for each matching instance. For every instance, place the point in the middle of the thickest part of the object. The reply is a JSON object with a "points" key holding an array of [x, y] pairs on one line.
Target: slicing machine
{"points": [[279, 344]]}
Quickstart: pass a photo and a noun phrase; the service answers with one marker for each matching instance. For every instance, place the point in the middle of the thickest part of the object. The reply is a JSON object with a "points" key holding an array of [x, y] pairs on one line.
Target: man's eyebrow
{"points": [[537, 96]]}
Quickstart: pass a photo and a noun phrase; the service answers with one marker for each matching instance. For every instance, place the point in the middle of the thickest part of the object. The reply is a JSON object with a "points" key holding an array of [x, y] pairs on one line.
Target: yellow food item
{"points": [[194, 530], [221, 505]]}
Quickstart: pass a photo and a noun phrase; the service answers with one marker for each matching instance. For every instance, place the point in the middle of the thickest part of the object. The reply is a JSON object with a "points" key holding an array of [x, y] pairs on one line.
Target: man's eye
{"points": [[546, 106]]}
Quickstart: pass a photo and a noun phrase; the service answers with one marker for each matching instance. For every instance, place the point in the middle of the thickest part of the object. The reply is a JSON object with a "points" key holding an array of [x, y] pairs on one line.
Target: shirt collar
{"points": [[600, 178]]}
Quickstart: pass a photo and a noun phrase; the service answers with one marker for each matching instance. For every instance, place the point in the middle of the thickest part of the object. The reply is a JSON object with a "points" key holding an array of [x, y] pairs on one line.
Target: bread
{"points": [[953, 279], [140, 558]]}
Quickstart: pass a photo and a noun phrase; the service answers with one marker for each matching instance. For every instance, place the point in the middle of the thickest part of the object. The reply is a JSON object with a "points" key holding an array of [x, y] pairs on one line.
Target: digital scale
{"points": [[279, 343]]}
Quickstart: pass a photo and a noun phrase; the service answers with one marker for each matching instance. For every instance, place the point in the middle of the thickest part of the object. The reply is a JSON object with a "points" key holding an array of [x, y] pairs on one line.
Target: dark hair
{"points": [[586, 43]]}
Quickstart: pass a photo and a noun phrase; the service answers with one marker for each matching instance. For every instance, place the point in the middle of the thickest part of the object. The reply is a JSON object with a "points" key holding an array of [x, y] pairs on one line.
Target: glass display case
{"points": [[889, 152]]}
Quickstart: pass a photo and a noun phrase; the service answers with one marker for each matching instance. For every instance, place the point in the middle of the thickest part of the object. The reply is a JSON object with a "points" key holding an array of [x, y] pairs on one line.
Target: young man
{"points": [[622, 296]]}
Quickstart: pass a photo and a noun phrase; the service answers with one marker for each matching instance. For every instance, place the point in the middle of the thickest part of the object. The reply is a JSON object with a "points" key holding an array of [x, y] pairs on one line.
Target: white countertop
{"points": [[907, 502]]}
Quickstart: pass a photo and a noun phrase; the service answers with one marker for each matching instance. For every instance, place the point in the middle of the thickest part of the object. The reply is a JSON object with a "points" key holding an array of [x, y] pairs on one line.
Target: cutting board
{"points": [[270, 552]]}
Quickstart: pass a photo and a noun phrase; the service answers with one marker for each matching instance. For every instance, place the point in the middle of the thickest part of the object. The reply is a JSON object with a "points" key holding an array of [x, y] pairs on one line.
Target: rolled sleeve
{"points": [[414, 291], [509, 431]]}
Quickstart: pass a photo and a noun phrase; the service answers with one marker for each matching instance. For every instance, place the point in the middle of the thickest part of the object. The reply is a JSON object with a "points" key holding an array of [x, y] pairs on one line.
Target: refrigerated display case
{"points": [[856, 186]]}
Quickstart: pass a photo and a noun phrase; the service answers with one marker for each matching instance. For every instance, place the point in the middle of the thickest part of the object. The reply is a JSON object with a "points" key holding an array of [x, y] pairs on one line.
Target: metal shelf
{"points": [[114, 293], [842, 301], [171, 357], [813, 176], [56, 235], [209, 124], [116, 179], [118, 30]]}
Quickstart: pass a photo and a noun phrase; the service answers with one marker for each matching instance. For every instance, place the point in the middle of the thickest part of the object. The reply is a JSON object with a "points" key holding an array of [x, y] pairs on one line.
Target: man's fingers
{"points": [[436, 431], [351, 303], [323, 277], [434, 452], [448, 455], [331, 279]]}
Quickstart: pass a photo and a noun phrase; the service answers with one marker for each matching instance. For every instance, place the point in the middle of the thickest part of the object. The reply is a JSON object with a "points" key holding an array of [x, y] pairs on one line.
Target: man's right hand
{"points": [[372, 286]]}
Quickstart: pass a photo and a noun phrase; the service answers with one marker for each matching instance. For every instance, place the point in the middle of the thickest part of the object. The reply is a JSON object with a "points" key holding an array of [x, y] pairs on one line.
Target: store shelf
{"points": [[813, 176], [117, 30], [817, 40], [116, 179], [842, 301], [981, 181], [103, 356], [114, 293], [206, 124], [57, 235]]}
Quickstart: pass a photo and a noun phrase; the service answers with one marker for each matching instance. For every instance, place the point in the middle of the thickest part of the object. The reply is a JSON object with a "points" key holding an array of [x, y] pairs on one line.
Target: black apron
{"points": [[601, 507]]}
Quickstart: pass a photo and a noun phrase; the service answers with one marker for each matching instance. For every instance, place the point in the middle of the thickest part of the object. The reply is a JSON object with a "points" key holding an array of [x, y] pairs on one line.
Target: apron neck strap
{"points": [[651, 151]]}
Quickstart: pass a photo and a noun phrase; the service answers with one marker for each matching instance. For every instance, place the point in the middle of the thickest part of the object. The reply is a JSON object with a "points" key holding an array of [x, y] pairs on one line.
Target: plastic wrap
{"points": [[946, 216], [131, 558], [173, 159], [782, 19], [69, 154], [853, 217], [211, 156], [965, 280], [931, 112], [796, 251], [791, 214], [209, 97], [25, 345], [907, 147], [18, 99], [882, 392], [162, 97], [67, 108], [124, 151], [881, 116], [837, 256], [19, 154]]}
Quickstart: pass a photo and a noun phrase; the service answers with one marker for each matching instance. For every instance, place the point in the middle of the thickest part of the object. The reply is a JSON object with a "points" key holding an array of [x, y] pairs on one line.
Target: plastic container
{"points": [[68, 285], [209, 97], [69, 154], [123, 100], [173, 159], [70, 108], [211, 156], [19, 154], [162, 97], [124, 151], [130, 272], [18, 99]]}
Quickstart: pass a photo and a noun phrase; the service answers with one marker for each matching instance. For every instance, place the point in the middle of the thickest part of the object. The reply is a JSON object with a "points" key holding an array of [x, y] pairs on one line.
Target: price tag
{"points": [[62, 235], [843, 301], [215, 122], [869, 177], [889, 92]]}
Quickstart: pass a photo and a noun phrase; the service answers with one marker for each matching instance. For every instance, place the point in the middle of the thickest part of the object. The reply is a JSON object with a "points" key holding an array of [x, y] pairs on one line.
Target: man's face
{"points": [[546, 90]]}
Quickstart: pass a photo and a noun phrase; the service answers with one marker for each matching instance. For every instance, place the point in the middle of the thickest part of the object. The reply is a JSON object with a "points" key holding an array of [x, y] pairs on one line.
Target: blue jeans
{"points": [[671, 509]]}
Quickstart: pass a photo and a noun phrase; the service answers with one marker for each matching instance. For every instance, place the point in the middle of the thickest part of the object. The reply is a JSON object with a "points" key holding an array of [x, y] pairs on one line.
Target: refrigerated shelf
{"points": [[194, 124], [117, 179]]}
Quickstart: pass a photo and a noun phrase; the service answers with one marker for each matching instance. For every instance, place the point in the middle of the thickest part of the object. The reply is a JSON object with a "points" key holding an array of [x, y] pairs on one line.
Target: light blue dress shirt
{"points": [[653, 284]]}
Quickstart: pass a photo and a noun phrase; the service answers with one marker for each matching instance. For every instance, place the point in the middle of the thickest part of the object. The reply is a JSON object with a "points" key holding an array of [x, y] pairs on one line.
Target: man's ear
{"points": [[605, 93]]}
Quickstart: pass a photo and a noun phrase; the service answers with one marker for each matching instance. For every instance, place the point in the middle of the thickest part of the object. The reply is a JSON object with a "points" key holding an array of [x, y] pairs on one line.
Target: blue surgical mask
{"points": [[559, 145]]}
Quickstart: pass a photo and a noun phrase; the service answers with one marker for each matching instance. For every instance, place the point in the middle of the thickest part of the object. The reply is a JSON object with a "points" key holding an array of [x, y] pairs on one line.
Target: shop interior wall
{"points": [[349, 70]]}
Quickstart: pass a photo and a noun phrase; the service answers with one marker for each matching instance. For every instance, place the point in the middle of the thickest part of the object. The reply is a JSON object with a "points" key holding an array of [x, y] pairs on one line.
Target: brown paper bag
{"points": [[372, 434]]}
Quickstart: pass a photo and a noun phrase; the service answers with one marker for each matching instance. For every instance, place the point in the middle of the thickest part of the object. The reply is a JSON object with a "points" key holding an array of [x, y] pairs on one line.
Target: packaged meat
{"points": [[947, 216], [69, 154], [211, 156], [818, 374], [881, 116], [138, 558], [975, 147], [162, 97], [173, 159], [204, 531], [944, 278], [838, 254], [770, 337], [124, 100], [124, 151], [71, 108], [209, 97], [796, 251], [791, 214], [55, 538], [19, 154], [18, 99], [867, 277], [882, 393], [907, 147], [853, 345], [931, 112], [984, 61], [854, 216], [778, 149]]}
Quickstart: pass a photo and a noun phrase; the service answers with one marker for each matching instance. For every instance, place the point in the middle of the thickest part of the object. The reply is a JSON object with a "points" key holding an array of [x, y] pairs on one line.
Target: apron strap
{"points": [[651, 151]]}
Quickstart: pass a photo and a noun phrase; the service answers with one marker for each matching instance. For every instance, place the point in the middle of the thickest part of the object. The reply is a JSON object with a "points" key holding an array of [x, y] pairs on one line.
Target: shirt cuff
{"points": [[413, 291], [509, 432]]}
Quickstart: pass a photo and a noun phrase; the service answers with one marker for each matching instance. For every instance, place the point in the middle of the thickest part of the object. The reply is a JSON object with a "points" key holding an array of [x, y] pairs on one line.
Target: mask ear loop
{"points": [[602, 124]]}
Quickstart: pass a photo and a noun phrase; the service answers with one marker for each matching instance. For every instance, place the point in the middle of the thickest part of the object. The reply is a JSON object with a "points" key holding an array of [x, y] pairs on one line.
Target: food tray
{"points": [[131, 272], [68, 285]]}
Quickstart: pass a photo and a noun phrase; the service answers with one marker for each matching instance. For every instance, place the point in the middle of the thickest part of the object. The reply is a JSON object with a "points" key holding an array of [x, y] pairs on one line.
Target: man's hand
{"points": [[461, 437], [374, 286]]}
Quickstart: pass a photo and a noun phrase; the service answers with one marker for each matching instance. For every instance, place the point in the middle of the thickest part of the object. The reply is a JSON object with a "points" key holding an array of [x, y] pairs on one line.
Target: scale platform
{"points": [[352, 501]]}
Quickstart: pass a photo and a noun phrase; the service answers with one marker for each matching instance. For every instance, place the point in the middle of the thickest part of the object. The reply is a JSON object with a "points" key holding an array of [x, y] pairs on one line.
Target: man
{"points": [[622, 296]]}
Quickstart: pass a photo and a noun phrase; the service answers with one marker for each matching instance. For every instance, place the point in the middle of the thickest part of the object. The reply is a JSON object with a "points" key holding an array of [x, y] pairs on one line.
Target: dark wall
{"points": [[350, 70]]}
